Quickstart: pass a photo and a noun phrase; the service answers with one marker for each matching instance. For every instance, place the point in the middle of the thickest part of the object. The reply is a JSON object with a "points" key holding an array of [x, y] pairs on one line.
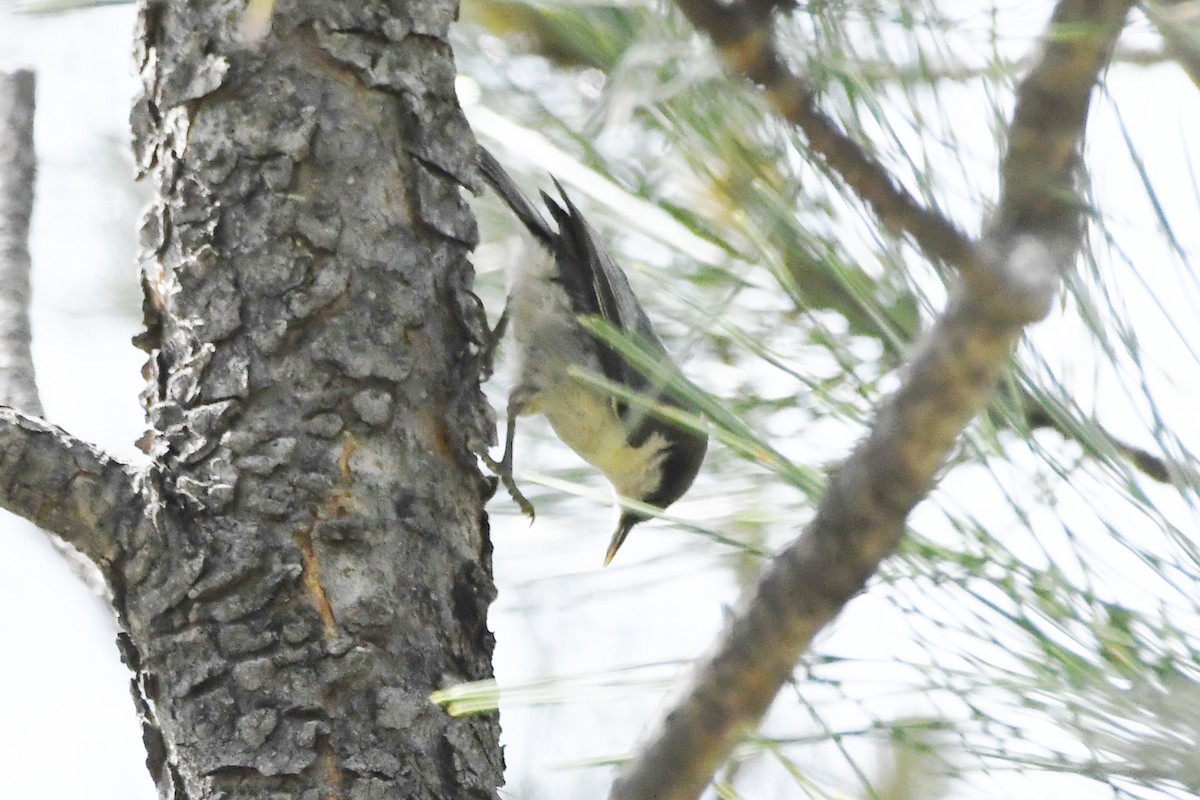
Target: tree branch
{"points": [[46, 476], [1037, 174], [18, 170], [744, 34], [862, 517], [64, 485]]}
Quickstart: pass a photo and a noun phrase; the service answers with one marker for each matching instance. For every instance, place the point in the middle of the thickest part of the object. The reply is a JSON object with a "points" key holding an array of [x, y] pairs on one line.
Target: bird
{"points": [[564, 274]]}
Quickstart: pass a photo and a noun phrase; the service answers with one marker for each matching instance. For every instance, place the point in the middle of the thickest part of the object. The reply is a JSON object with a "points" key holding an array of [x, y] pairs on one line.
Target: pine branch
{"points": [[862, 517], [744, 34]]}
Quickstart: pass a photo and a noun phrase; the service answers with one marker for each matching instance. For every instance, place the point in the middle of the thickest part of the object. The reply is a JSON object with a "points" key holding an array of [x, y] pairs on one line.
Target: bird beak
{"points": [[623, 527]]}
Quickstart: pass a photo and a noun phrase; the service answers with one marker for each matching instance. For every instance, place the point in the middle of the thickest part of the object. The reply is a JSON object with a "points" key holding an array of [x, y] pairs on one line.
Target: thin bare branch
{"points": [[46, 476], [64, 485], [862, 517], [18, 169], [745, 36]]}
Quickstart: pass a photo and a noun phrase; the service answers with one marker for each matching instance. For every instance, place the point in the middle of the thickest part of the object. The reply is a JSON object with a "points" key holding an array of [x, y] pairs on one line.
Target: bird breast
{"points": [[589, 424]]}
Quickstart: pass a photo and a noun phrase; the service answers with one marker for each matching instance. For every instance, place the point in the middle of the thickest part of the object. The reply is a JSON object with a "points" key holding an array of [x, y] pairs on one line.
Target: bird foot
{"points": [[502, 469]]}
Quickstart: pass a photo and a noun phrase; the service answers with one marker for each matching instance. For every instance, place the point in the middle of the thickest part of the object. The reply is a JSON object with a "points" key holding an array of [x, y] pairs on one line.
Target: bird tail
{"points": [[513, 197]]}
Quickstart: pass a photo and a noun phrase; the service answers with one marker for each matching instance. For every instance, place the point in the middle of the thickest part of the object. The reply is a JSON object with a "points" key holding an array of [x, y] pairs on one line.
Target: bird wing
{"points": [[598, 287], [514, 198], [593, 282]]}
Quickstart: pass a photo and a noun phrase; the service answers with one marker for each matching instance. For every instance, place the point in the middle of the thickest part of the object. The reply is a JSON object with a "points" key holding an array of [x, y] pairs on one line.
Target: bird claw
{"points": [[503, 470]]}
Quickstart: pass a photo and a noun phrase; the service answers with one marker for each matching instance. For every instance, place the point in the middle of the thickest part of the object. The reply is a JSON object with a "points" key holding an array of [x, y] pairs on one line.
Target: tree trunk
{"points": [[312, 559]]}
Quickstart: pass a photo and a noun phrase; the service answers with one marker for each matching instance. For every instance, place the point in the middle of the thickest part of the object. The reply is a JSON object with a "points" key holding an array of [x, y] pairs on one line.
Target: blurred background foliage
{"points": [[1038, 630]]}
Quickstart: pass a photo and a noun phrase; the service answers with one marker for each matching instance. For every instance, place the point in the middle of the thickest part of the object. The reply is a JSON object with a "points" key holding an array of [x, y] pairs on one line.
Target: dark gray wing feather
{"points": [[597, 286], [591, 279], [514, 198]]}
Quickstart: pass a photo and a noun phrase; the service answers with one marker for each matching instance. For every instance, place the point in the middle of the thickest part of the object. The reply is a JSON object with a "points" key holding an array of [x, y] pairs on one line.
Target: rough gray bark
{"points": [[320, 561], [305, 559]]}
